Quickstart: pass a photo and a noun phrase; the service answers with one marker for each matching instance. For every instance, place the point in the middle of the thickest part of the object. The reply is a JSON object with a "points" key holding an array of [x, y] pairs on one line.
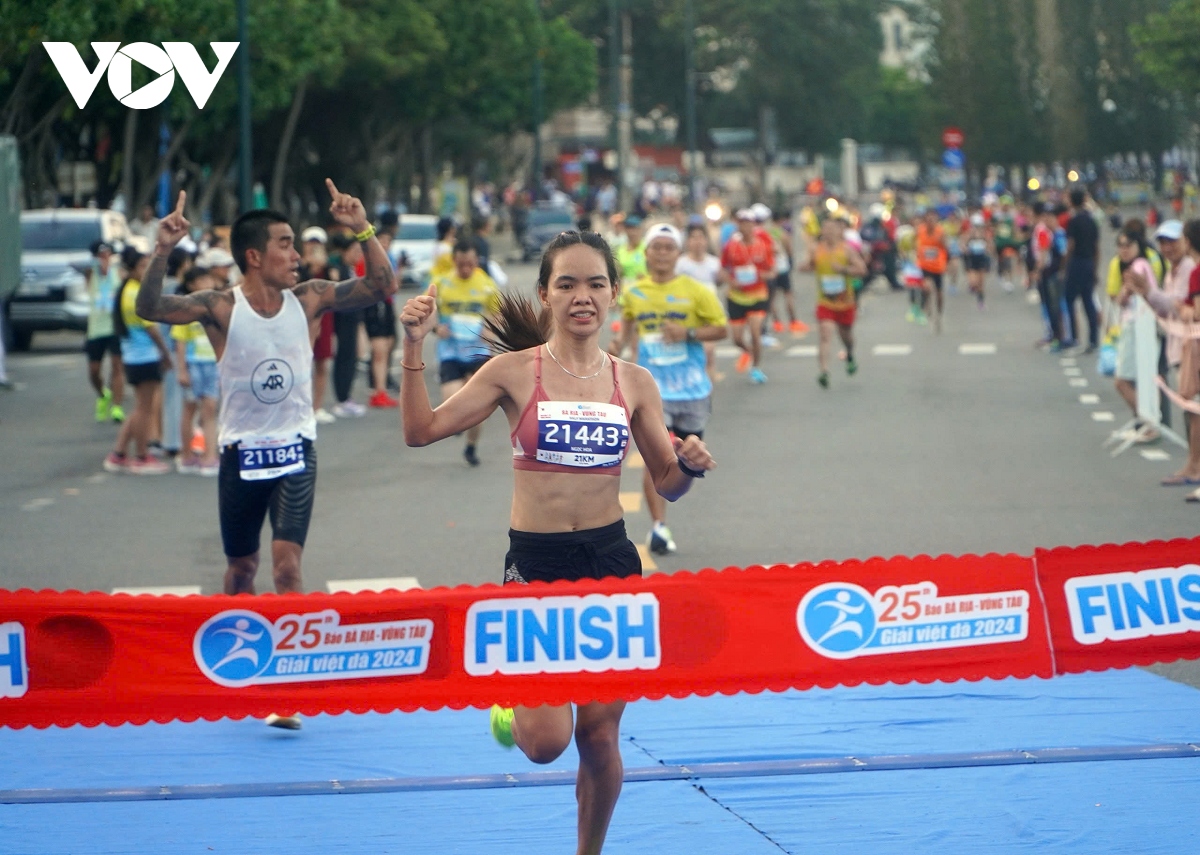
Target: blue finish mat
{"points": [[1135, 806]]}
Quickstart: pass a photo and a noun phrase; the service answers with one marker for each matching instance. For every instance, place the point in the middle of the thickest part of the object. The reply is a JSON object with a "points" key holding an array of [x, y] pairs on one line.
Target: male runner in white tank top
{"points": [[263, 333]]}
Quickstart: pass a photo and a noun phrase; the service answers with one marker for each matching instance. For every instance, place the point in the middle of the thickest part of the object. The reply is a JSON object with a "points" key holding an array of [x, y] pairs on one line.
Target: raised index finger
{"points": [[180, 201], [333, 191]]}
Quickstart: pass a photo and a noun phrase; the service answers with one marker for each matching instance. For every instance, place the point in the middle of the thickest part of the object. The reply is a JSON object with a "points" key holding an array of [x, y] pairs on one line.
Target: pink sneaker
{"points": [[187, 464], [147, 466], [116, 462]]}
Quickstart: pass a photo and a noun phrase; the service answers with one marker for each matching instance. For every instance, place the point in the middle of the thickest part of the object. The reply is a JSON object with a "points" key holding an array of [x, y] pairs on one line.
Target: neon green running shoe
{"points": [[104, 406], [117, 413], [502, 722]]}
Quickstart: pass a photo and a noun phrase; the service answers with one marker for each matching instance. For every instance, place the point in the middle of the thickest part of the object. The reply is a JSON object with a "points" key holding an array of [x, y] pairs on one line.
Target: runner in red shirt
{"points": [[747, 263]]}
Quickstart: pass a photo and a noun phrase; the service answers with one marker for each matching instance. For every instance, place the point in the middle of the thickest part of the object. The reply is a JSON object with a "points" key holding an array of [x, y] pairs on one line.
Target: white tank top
{"points": [[266, 374]]}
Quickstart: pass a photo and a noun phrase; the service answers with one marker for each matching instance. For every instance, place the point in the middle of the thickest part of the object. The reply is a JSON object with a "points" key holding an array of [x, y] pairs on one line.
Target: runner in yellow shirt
{"points": [[667, 318], [466, 297]]}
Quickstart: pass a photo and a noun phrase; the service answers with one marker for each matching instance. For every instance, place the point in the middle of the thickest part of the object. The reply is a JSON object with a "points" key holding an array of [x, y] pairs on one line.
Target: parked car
{"points": [[53, 293], [10, 228], [544, 224], [417, 240]]}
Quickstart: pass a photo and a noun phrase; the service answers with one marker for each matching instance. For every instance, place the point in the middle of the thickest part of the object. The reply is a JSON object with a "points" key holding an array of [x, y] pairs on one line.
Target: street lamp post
{"points": [[614, 64], [245, 190], [689, 46], [538, 94]]}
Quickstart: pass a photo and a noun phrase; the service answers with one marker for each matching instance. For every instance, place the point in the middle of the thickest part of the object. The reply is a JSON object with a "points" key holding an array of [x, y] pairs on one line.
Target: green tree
{"points": [[1168, 47]]}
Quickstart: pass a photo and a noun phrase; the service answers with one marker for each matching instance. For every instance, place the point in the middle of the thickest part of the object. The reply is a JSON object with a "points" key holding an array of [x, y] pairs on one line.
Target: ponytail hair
{"points": [[118, 317], [518, 325]]}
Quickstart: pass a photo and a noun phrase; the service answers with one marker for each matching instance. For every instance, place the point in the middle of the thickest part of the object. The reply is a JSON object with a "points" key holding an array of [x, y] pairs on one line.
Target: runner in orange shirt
{"points": [[747, 262], [932, 257]]}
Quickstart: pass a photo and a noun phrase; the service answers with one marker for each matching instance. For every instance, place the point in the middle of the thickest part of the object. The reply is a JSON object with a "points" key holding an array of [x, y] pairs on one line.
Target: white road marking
{"points": [[1066, 360], [47, 361], [802, 350], [647, 559], [37, 504], [1154, 454], [1079, 382], [98, 478], [977, 349], [1072, 372], [162, 590], [355, 586], [1103, 416], [891, 350], [1089, 399], [728, 352]]}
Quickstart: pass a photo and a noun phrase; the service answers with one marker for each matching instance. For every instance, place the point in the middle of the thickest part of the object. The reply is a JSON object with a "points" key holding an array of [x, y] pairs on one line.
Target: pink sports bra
{"points": [[569, 436]]}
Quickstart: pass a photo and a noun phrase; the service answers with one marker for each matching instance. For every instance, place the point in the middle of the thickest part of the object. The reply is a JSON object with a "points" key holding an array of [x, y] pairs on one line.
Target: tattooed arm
{"points": [[203, 306], [321, 296]]}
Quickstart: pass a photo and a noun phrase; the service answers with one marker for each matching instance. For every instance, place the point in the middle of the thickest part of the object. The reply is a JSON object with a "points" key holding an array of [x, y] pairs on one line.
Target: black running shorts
{"points": [[95, 348], [591, 554], [450, 370], [143, 372], [739, 312], [245, 504], [379, 320]]}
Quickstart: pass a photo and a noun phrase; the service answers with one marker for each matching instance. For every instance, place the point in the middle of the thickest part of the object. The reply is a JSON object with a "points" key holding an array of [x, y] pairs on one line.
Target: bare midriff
{"points": [[564, 501]]}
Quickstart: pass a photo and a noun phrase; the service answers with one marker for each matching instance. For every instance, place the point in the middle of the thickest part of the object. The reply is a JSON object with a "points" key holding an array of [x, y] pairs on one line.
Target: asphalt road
{"points": [[938, 445], [971, 441]]}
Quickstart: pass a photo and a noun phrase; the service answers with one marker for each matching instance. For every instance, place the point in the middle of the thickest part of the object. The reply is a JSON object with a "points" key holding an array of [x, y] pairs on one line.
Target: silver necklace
{"points": [[603, 363]]}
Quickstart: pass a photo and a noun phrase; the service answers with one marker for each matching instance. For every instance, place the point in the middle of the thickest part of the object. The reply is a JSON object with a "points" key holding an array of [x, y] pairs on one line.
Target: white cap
{"points": [[760, 212], [977, 219], [744, 214], [215, 257], [1170, 229], [664, 230], [314, 233], [187, 245]]}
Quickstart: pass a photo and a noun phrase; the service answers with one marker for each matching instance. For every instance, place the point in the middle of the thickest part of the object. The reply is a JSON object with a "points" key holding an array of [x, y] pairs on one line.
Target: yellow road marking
{"points": [[634, 461], [647, 561], [631, 503]]}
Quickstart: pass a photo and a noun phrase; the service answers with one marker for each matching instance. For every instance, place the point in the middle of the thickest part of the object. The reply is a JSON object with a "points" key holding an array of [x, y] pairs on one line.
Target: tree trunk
{"points": [[1067, 131], [16, 99], [127, 156], [47, 118], [164, 162], [216, 177], [285, 145], [425, 158]]}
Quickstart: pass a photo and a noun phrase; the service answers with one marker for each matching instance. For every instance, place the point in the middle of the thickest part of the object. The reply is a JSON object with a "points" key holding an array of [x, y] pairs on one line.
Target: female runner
{"points": [[566, 520]]}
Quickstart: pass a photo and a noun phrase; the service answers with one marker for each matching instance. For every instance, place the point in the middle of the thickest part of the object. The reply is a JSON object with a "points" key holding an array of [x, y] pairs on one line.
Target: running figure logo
{"points": [[271, 381], [234, 647], [836, 619]]}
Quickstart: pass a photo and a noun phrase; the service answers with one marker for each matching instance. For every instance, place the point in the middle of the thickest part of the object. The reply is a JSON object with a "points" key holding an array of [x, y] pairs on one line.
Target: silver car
{"points": [[53, 293], [417, 240]]}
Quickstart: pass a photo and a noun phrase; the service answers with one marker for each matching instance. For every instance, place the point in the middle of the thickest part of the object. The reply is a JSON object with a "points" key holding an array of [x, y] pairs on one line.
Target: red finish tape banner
{"points": [[74, 658], [1122, 605]]}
